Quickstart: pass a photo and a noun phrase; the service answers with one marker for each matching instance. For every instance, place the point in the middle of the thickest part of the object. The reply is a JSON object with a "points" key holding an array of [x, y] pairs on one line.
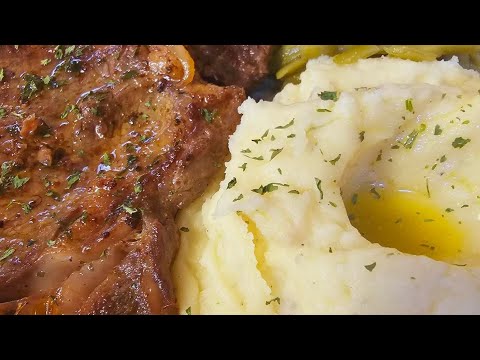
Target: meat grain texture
{"points": [[112, 146]]}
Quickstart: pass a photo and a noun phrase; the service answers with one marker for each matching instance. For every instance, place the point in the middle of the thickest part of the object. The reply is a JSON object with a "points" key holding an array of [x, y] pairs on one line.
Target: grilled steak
{"points": [[100, 146], [241, 65]]}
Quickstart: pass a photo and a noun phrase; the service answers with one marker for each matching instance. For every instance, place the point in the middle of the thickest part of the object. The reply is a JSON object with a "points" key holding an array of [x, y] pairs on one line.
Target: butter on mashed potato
{"points": [[355, 192]]}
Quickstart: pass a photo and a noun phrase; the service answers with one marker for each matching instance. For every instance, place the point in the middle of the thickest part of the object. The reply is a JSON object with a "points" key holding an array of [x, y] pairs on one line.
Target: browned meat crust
{"points": [[241, 65], [112, 146]]}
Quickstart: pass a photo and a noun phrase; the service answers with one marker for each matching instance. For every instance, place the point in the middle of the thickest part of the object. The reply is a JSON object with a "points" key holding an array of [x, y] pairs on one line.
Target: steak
{"points": [[100, 146], [241, 65]]}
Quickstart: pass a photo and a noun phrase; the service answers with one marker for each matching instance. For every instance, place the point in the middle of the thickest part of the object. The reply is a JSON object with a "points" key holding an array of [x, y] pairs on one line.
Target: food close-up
{"points": [[239, 179]]}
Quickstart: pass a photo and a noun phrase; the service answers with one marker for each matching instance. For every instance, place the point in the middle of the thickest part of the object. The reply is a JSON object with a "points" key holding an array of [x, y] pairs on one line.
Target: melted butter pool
{"points": [[405, 220]]}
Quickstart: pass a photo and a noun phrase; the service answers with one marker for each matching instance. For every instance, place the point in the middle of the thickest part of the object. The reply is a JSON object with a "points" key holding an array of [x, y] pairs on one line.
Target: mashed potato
{"points": [[386, 146]]}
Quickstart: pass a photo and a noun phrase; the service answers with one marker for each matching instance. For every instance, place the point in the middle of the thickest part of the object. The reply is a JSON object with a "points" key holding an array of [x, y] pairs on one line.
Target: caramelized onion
{"points": [[183, 55]]}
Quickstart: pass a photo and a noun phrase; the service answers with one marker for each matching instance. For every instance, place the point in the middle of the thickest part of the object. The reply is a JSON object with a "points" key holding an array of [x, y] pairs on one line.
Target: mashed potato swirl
{"points": [[275, 237]]}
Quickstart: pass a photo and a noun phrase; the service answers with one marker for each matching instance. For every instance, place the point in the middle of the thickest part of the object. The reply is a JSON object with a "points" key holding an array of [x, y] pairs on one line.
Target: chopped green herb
{"points": [[54, 195], [3, 112], [256, 141], [394, 147], [272, 138], [148, 104], [33, 85], [443, 158], [277, 299], [68, 110], [294, 192], [46, 79], [243, 167], [428, 220], [184, 229], [84, 216], [255, 157], [26, 208], [379, 156], [323, 110], [291, 136], [285, 126], [18, 182], [428, 188], [334, 161], [72, 179], [232, 183], [466, 122], [50, 243], [279, 171], [434, 166], [239, 197], [7, 253], [58, 52], [275, 152], [129, 210], [354, 198], [265, 134], [129, 74], [45, 62], [131, 160], [409, 105], [246, 151], [208, 115], [1, 74], [106, 159], [438, 130], [318, 182], [374, 192], [371, 266], [332, 203], [328, 95], [408, 143], [448, 210], [361, 135], [443, 96], [268, 188], [460, 142], [464, 206], [189, 310], [137, 188]]}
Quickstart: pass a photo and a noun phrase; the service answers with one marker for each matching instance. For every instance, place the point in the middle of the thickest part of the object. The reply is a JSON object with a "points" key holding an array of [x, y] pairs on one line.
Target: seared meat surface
{"points": [[100, 146], [241, 65]]}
